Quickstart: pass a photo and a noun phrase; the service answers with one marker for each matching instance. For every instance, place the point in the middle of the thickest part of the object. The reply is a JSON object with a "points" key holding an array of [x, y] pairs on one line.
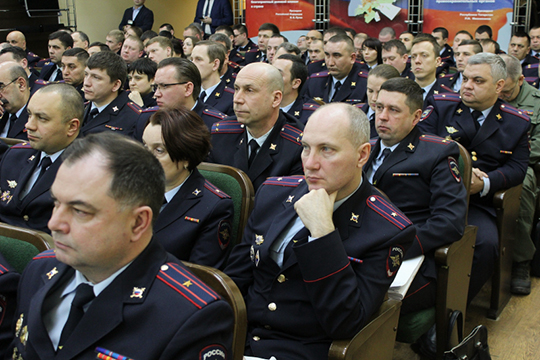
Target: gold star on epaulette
{"points": [[499, 116], [435, 92], [217, 94], [115, 109], [459, 111], [273, 146], [297, 113], [228, 80], [196, 192], [354, 217], [410, 146], [290, 198], [187, 283], [353, 83]]}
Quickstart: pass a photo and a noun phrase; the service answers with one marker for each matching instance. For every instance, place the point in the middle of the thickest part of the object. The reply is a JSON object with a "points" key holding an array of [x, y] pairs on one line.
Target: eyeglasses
{"points": [[161, 87], [4, 86], [312, 38]]}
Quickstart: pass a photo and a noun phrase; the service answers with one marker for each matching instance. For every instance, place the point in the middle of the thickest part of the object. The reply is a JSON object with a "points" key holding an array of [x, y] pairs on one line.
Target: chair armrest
{"points": [[375, 340]]}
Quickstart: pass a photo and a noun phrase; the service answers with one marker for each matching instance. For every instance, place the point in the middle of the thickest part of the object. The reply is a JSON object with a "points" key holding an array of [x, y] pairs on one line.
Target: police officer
{"points": [[425, 165], [59, 41], [344, 81], [28, 170], [308, 237], [495, 134], [260, 140], [14, 96], [108, 288], [466, 49], [9, 281]]}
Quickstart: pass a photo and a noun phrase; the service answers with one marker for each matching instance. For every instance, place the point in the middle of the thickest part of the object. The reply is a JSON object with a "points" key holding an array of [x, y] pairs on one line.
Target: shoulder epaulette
{"points": [[373, 141], [448, 97], [451, 91], [512, 110], [213, 188], [388, 211], [32, 54], [234, 65], [319, 74], [47, 254], [24, 145], [443, 75], [214, 113], [360, 105], [229, 90], [187, 285], [3, 269], [311, 107], [227, 127], [289, 132], [532, 66], [252, 50], [42, 82], [151, 109], [290, 181], [133, 106], [363, 74], [435, 139]]}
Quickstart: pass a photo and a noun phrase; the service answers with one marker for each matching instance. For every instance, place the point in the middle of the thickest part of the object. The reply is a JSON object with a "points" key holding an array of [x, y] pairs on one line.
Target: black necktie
{"points": [[83, 295], [206, 6], [45, 163], [385, 154], [372, 117], [93, 113], [202, 96], [253, 146], [337, 86], [476, 114]]}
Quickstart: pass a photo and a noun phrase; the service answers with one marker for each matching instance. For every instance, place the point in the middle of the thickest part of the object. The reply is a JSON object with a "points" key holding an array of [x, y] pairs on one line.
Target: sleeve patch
{"points": [[213, 352], [454, 168], [388, 211], [394, 259], [224, 234], [291, 181], [291, 133], [186, 284], [426, 113], [214, 189]]}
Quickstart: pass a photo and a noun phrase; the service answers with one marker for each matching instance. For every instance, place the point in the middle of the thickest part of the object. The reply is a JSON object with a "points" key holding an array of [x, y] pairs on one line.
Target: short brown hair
{"points": [[185, 135]]}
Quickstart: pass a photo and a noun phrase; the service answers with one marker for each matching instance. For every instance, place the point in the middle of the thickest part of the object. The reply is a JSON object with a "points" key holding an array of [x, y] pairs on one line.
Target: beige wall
{"points": [[98, 17]]}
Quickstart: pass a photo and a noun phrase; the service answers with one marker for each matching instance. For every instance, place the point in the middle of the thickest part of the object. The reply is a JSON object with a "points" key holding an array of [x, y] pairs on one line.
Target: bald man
{"points": [[17, 38], [14, 95], [260, 140]]}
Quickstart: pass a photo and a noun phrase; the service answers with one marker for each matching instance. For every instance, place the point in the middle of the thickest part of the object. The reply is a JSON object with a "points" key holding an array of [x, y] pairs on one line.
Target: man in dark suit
{"points": [[108, 288], [213, 13], [9, 281], [260, 140], [28, 170], [495, 134], [426, 166], [344, 81], [110, 108], [319, 252], [59, 41], [138, 15], [14, 96]]}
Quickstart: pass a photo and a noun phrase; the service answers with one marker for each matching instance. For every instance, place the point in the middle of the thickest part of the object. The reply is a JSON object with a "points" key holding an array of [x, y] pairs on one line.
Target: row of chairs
{"points": [[454, 264]]}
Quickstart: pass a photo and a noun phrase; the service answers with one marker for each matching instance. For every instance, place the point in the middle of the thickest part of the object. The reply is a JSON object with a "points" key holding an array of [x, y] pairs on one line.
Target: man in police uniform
{"points": [[446, 52], [316, 56], [395, 53], [425, 60], [110, 108], [209, 57], [28, 170], [17, 38], [426, 166], [16, 54], [466, 49], [523, 96], [495, 134], [344, 81], [294, 74], [520, 47], [14, 96], [178, 83], [119, 283], [319, 252], [245, 51], [260, 140], [73, 66], [59, 41]]}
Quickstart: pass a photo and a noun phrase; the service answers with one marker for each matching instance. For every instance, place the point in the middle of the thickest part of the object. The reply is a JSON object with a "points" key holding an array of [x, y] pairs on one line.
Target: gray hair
{"points": [[498, 66], [513, 66]]}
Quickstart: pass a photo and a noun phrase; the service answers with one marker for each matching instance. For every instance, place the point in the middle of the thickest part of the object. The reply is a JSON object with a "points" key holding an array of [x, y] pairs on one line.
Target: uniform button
{"points": [[256, 338], [473, 152], [474, 158], [26, 218], [281, 278], [164, 267], [272, 306]]}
